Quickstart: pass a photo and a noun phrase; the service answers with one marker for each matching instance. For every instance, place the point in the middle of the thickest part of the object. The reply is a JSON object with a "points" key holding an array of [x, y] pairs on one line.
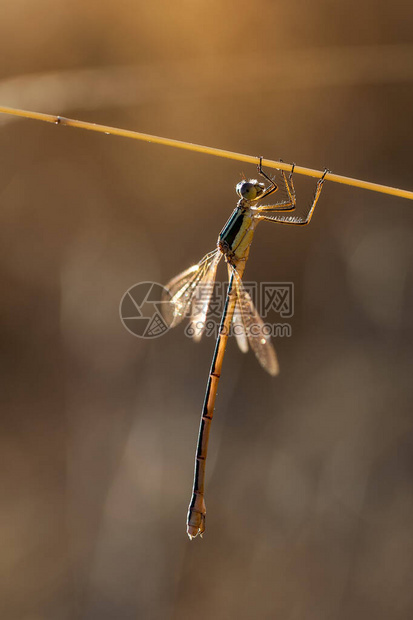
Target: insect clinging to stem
{"points": [[190, 294]]}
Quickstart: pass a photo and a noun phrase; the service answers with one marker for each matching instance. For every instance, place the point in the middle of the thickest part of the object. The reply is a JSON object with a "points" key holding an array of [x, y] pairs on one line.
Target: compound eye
{"points": [[247, 190]]}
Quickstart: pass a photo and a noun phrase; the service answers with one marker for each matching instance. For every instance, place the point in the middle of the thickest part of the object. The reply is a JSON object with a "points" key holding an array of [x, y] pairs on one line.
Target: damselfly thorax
{"points": [[235, 238]]}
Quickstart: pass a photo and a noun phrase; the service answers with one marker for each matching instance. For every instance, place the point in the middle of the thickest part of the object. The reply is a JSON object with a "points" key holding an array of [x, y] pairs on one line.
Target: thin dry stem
{"points": [[208, 150]]}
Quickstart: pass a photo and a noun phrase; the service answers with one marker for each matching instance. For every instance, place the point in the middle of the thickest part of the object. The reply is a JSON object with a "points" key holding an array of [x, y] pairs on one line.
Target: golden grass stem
{"points": [[208, 150]]}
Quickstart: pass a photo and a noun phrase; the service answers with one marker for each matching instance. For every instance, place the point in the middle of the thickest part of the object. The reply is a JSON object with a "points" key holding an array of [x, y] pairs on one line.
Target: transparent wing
{"points": [[201, 298], [182, 288], [239, 329], [258, 339]]}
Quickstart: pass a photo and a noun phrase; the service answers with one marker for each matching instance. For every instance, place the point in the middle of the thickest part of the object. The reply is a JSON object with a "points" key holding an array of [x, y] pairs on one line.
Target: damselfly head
{"points": [[250, 190]]}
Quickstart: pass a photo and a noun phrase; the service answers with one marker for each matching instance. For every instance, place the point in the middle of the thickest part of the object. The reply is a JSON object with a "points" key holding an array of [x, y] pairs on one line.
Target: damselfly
{"points": [[190, 295]]}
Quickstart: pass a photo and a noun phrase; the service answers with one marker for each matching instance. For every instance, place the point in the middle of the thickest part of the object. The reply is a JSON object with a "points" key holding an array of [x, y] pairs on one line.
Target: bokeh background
{"points": [[309, 487]]}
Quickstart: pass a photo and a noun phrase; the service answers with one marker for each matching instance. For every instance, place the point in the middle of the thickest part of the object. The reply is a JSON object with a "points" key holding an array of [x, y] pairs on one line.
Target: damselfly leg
{"points": [[271, 212]]}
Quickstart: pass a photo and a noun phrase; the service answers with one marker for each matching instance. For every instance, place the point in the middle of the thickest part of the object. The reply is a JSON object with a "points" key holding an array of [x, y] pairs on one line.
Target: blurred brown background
{"points": [[309, 488]]}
